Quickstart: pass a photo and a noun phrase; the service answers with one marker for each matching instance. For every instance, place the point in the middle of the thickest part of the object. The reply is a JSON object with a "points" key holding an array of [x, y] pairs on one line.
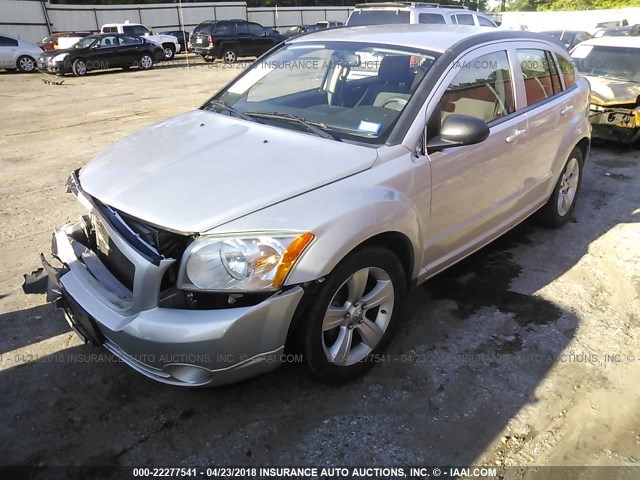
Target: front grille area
{"points": [[152, 242], [167, 244], [110, 255]]}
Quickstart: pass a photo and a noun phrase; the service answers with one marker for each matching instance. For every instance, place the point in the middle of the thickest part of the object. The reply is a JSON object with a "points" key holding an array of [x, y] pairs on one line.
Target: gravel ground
{"points": [[527, 353]]}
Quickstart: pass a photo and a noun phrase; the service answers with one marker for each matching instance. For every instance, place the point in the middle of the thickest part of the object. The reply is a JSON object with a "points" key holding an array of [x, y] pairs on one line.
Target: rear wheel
{"points": [[559, 208], [79, 67], [229, 56], [169, 51], [353, 315], [26, 64], [146, 62]]}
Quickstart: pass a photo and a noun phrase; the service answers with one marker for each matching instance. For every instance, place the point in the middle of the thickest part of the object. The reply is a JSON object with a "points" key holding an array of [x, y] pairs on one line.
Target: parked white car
{"points": [[16, 54], [169, 43]]}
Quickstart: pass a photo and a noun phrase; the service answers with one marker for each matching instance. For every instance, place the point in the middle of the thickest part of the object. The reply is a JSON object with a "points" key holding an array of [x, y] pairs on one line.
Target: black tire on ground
{"points": [[145, 62], [367, 329], [229, 55], [169, 51], [26, 64], [559, 208], [79, 67]]}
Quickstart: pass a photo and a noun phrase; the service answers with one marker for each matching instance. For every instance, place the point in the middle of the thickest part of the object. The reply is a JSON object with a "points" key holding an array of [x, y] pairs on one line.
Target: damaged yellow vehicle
{"points": [[612, 66]]}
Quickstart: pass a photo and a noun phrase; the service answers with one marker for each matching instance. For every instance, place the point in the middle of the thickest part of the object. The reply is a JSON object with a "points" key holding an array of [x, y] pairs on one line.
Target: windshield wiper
{"points": [[316, 128], [232, 111]]}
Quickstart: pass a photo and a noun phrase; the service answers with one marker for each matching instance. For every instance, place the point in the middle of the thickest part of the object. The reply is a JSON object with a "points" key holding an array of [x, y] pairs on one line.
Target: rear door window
{"points": [[537, 75], [241, 28], [255, 29], [482, 88], [431, 18], [126, 40], [464, 19], [8, 42]]}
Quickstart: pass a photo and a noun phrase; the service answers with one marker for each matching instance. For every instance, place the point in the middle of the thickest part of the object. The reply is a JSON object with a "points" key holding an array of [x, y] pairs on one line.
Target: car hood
{"points": [[609, 91], [200, 169], [53, 53]]}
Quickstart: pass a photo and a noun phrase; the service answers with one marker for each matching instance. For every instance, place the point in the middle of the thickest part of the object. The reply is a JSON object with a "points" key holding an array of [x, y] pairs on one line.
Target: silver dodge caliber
{"points": [[296, 207]]}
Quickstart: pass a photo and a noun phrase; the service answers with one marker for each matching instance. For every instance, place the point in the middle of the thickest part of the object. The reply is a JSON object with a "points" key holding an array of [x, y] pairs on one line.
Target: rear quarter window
{"points": [[568, 71], [485, 22], [203, 28]]}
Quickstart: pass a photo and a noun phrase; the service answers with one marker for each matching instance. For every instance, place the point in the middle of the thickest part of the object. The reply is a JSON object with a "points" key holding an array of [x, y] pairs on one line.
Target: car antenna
{"points": [[186, 47]]}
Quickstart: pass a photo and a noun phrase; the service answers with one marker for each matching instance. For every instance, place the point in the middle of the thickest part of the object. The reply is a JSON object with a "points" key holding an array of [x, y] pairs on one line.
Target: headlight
{"points": [[60, 57], [241, 263]]}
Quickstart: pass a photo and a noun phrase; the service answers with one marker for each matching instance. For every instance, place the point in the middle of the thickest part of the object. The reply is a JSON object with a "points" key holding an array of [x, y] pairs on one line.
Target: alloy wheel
{"points": [[568, 186], [26, 64], [357, 316]]}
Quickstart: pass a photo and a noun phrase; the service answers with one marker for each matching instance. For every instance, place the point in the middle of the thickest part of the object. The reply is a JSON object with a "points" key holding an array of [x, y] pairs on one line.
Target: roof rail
{"points": [[407, 4]]}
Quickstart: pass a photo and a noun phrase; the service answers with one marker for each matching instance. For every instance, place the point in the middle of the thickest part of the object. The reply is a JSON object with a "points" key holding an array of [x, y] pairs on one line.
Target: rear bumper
{"points": [[211, 51], [174, 346]]}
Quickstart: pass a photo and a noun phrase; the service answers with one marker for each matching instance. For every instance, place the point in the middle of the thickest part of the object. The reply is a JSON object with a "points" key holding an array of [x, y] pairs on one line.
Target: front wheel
{"points": [[353, 316], [79, 68], [146, 62], [26, 64], [559, 208]]}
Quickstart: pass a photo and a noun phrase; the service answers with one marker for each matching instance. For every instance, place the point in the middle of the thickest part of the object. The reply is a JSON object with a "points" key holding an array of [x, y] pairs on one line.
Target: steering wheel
{"points": [[399, 100]]}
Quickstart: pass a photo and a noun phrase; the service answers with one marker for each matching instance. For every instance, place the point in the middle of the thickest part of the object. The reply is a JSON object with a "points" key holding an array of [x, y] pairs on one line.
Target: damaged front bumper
{"points": [[619, 124], [172, 345]]}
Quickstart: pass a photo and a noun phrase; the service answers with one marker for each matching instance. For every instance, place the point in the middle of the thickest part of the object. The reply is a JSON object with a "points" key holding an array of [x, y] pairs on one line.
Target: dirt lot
{"points": [[500, 361]]}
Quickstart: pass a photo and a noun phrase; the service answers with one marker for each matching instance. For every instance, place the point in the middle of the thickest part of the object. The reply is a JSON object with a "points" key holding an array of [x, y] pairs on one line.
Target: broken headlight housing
{"points": [[241, 263]]}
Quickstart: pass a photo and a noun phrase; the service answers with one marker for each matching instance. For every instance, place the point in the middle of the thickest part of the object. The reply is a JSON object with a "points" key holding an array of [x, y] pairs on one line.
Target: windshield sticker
{"points": [[369, 127], [581, 51]]}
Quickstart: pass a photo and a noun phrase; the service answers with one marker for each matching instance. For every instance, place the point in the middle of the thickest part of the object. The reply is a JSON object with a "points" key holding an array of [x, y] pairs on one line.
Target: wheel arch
{"points": [[396, 242]]}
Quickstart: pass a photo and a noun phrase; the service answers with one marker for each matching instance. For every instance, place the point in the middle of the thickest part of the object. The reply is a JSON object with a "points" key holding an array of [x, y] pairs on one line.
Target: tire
{"points": [[26, 64], [79, 67], [334, 344], [229, 55], [169, 51], [145, 62], [559, 208]]}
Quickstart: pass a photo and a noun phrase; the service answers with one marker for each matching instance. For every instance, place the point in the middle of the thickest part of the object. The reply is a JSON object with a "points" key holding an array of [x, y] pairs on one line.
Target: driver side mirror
{"points": [[459, 130]]}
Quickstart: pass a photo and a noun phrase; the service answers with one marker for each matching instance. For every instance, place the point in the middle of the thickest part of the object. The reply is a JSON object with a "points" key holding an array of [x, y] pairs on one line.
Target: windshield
{"points": [[86, 42], [612, 62], [377, 17], [354, 91]]}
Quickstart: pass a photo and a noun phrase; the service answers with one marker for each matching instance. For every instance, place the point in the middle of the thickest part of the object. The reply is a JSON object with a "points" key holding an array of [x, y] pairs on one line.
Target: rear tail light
{"points": [[212, 40]]}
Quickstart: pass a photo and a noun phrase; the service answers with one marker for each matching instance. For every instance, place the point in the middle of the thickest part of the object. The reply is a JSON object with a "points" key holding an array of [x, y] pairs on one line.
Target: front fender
{"points": [[359, 216]]}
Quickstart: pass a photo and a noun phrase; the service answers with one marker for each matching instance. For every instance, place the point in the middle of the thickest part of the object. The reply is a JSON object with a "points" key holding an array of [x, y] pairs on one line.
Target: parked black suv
{"points": [[230, 39]]}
